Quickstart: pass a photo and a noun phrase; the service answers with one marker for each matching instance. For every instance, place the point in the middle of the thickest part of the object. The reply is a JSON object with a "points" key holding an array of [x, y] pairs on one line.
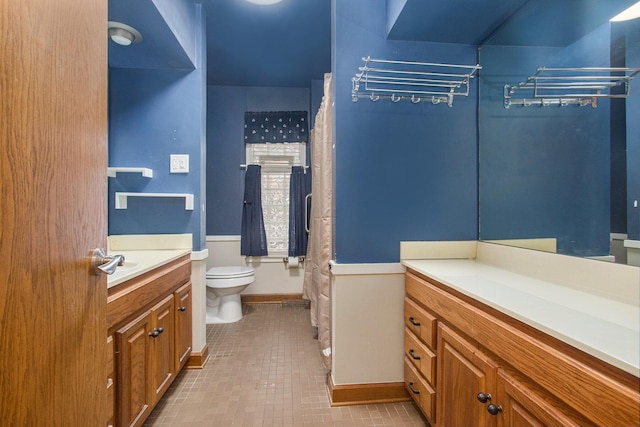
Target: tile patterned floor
{"points": [[266, 370]]}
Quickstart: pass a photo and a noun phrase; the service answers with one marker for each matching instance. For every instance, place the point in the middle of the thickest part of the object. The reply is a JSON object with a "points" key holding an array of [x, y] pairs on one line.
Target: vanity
{"points": [[502, 336], [149, 321]]}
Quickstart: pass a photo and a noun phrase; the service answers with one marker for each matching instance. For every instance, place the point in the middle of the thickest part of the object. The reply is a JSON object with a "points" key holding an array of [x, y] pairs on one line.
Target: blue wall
{"points": [[633, 132], [154, 113], [226, 148], [544, 171], [402, 171], [181, 20]]}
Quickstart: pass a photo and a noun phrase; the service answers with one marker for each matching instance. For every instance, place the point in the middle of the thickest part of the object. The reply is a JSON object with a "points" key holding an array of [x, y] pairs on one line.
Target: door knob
{"points": [[103, 263]]}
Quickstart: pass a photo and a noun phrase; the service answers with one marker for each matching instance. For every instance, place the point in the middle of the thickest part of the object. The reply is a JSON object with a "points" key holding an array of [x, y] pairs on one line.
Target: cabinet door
{"points": [[463, 372], [523, 407], [111, 381], [133, 365], [162, 350], [183, 317]]}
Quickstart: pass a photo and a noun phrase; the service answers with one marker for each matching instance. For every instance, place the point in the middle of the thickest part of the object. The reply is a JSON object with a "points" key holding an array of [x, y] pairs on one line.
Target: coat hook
{"points": [[395, 98]]}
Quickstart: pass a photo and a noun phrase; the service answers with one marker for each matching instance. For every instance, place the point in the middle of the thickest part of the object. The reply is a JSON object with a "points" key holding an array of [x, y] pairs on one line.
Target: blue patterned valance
{"points": [[275, 126]]}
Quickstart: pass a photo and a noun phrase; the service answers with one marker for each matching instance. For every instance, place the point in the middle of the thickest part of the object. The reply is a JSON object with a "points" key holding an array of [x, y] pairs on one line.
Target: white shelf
{"points": [[121, 198], [113, 171]]}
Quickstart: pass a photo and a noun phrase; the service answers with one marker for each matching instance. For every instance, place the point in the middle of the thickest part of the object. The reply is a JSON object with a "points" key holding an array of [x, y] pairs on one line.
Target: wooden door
{"points": [[183, 325], [463, 372], [135, 396], [53, 158], [162, 348]]}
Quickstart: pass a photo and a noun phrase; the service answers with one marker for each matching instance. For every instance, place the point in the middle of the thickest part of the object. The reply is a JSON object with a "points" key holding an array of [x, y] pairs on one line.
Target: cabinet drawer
{"points": [[420, 356], [420, 391], [420, 322]]}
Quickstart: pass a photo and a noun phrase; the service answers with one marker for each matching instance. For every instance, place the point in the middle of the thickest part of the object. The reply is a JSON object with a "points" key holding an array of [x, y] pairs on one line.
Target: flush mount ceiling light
{"points": [[628, 14], [264, 1], [123, 34]]}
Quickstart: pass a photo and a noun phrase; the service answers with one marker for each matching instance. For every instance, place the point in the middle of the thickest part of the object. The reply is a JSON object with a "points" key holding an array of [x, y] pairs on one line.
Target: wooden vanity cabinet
{"points": [[492, 370], [150, 322]]}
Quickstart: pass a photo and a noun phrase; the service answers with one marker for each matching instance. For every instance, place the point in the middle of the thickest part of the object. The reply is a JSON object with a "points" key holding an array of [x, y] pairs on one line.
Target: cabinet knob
{"points": [[183, 308], [411, 353], [160, 330], [413, 390], [154, 334], [413, 321], [483, 398], [494, 409]]}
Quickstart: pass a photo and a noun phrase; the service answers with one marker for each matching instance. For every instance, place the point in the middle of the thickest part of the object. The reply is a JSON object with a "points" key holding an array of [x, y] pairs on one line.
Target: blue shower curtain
{"points": [[299, 187], [253, 239]]}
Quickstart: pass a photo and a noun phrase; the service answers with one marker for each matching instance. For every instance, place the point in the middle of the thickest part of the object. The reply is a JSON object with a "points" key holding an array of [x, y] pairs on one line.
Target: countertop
{"points": [[137, 262], [603, 327]]}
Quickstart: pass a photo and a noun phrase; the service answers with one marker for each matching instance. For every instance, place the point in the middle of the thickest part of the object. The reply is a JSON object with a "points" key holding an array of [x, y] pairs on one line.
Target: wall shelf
{"points": [[113, 171], [414, 81], [570, 86], [121, 198]]}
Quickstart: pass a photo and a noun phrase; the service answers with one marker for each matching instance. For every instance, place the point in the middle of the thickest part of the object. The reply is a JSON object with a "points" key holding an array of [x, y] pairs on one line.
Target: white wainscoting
{"points": [[272, 274]]}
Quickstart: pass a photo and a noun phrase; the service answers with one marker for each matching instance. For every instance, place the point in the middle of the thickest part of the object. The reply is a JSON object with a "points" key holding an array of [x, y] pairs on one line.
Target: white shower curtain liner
{"points": [[317, 279]]}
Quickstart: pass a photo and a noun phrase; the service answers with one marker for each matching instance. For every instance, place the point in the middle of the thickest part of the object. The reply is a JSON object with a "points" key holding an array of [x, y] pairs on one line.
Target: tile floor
{"points": [[266, 370]]}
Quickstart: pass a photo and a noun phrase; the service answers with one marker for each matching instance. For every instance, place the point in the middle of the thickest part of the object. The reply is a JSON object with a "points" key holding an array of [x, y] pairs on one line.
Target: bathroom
{"points": [[393, 161]]}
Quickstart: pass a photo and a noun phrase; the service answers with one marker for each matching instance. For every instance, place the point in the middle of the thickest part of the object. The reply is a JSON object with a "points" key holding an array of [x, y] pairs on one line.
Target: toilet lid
{"points": [[229, 272]]}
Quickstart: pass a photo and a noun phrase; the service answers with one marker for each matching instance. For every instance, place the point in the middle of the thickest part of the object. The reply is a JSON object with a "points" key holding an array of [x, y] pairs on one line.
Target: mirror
{"points": [[553, 171]]}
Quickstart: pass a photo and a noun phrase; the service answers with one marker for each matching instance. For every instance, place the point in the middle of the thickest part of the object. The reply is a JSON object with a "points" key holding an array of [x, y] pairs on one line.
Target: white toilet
{"points": [[224, 285]]}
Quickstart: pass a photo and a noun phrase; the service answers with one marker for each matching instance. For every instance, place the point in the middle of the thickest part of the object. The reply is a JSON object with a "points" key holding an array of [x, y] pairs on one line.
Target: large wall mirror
{"points": [[559, 146]]}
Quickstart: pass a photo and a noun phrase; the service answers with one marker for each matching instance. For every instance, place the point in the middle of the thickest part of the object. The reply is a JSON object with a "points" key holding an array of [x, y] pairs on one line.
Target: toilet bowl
{"points": [[224, 285]]}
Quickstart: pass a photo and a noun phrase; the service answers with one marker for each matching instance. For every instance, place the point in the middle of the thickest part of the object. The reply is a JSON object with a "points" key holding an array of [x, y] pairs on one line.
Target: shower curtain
{"points": [[253, 239], [317, 279]]}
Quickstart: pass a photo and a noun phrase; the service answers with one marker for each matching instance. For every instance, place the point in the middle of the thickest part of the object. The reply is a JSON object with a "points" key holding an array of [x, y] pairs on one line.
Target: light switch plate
{"points": [[179, 163]]}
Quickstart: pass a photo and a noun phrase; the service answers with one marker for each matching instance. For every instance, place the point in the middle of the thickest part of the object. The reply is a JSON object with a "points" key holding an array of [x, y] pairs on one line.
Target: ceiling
{"points": [[289, 44], [286, 44]]}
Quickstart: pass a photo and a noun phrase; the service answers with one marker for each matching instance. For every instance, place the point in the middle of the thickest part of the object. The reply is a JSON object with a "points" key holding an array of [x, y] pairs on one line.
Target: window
{"points": [[276, 161]]}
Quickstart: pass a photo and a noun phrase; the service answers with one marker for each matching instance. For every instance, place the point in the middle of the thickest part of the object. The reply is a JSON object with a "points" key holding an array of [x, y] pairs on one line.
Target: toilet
{"points": [[224, 285]]}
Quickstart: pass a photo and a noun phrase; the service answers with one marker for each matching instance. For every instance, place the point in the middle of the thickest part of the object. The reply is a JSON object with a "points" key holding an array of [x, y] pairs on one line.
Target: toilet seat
{"points": [[229, 272]]}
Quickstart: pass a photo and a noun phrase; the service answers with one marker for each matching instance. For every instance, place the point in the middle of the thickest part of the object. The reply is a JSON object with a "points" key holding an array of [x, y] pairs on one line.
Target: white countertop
{"points": [[605, 328], [138, 262]]}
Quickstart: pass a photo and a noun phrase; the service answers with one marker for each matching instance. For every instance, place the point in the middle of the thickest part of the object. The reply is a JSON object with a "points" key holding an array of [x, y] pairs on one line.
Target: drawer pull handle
{"points": [[413, 390], [413, 321], [494, 409], [483, 398], [183, 308], [156, 332], [413, 355]]}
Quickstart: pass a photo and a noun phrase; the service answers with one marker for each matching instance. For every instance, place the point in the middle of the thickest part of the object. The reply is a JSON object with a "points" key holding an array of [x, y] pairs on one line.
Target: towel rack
{"points": [[570, 86], [414, 81]]}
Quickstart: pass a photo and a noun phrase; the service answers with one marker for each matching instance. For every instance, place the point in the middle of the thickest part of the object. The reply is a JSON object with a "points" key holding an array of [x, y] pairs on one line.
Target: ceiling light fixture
{"points": [[265, 2], [628, 14], [123, 34]]}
